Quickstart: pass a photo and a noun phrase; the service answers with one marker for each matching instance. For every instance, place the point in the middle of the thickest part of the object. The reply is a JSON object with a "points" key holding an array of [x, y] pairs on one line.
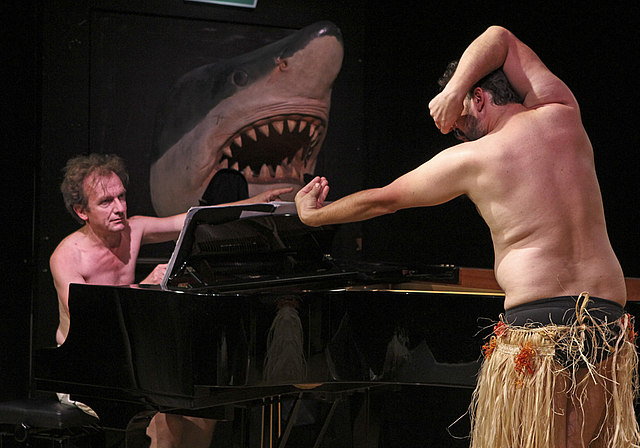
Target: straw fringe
{"points": [[513, 404]]}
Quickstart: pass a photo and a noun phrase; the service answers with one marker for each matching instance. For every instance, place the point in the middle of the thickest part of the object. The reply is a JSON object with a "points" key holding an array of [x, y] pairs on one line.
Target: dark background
{"points": [[379, 126]]}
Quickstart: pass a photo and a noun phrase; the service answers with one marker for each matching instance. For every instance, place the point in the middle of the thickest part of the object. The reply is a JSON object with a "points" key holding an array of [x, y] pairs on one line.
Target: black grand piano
{"points": [[254, 310]]}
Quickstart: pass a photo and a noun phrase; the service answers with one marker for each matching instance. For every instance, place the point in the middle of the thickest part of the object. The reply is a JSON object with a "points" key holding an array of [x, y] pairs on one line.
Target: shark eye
{"points": [[240, 78]]}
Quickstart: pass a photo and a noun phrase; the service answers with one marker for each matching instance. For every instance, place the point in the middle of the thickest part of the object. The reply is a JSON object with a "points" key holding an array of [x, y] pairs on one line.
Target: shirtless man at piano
{"points": [[527, 163], [104, 251]]}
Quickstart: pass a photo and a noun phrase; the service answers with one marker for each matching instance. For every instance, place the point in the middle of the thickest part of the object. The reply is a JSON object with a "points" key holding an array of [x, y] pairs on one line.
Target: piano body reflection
{"points": [[241, 278]]}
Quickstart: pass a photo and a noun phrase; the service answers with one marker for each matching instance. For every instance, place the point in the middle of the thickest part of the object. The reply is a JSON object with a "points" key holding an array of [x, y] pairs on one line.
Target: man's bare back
{"points": [[539, 195]]}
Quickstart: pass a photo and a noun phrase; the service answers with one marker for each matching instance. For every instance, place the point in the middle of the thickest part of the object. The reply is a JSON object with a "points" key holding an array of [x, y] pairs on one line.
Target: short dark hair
{"points": [[495, 82], [81, 167]]}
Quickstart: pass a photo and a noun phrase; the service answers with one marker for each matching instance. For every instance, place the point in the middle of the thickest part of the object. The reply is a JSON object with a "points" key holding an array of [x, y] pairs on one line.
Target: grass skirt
{"points": [[513, 404]]}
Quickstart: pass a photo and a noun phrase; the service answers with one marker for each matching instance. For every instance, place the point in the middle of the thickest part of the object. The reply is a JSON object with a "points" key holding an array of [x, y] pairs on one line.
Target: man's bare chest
{"points": [[112, 267]]}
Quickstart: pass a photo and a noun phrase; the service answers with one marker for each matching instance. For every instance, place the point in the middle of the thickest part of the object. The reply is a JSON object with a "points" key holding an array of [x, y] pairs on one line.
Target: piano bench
{"points": [[45, 422]]}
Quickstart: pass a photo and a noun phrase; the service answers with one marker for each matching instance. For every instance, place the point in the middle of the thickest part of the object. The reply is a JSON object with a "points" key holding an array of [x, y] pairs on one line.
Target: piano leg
{"points": [[292, 418], [272, 419], [326, 423]]}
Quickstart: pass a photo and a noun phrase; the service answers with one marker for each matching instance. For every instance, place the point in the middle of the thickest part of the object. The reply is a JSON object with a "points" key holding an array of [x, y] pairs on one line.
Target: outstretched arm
{"points": [[158, 230], [266, 196], [355, 207], [446, 176], [495, 48]]}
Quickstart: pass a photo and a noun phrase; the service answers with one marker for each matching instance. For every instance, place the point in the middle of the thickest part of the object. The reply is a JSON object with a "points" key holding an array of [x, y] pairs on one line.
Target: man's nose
{"points": [[119, 206]]}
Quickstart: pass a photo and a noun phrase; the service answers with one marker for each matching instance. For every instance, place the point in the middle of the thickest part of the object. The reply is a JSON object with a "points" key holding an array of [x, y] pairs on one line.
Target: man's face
{"points": [[106, 203]]}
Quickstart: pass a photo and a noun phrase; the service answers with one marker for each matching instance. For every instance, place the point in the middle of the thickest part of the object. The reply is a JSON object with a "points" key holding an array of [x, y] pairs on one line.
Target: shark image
{"points": [[264, 113]]}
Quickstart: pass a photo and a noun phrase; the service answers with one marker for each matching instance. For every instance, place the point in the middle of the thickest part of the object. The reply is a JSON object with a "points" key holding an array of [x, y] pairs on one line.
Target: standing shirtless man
{"points": [[104, 251], [562, 358]]}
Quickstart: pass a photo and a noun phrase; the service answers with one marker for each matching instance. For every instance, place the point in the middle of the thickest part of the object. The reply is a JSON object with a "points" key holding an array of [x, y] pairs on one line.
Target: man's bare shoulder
{"points": [[138, 219], [139, 222], [475, 153], [151, 229], [139, 226], [66, 259], [70, 247], [556, 116], [541, 127]]}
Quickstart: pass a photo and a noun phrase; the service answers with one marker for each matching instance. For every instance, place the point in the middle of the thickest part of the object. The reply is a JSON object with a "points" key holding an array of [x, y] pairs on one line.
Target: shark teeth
{"points": [[266, 171], [286, 171], [251, 133], [247, 172], [264, 130], [274, 149], [278, 126]]}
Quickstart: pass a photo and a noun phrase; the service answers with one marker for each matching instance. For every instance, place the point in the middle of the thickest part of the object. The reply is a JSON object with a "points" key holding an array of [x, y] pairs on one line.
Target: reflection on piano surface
{"points": [[241, 276]]}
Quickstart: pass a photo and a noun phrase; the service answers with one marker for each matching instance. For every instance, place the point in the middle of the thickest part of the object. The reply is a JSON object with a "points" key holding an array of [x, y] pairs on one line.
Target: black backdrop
{"points": [[380, 128]]}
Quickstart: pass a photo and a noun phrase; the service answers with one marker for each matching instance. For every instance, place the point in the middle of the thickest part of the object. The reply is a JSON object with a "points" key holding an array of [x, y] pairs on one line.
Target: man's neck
{"points": [[501, 114], [109, 240]]}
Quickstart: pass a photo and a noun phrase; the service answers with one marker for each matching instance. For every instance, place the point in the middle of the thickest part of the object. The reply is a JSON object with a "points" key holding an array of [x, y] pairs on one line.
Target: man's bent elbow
{"points": [[499, 31]]}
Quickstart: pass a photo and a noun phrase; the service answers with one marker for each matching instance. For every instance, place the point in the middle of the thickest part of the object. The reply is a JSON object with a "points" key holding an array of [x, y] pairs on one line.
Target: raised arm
{"points": [[498, 48]]}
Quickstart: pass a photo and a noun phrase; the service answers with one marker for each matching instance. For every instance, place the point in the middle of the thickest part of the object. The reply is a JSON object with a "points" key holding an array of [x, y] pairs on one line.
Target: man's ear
{"points": [[479, 99], [80, 211]]}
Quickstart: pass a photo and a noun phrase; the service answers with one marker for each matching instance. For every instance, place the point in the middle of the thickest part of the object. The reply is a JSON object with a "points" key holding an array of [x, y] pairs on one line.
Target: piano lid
{"points": [[227, 246]]}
